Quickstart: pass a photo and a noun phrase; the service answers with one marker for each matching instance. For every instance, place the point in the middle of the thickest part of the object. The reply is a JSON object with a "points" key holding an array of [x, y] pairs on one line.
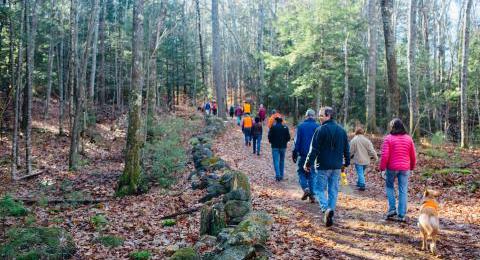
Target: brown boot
{"points": [[312, 198], [306, 194]]}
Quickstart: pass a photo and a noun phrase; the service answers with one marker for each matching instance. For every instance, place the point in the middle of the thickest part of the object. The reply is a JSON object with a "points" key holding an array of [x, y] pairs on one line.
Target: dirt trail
{"points": [[359, 231]]}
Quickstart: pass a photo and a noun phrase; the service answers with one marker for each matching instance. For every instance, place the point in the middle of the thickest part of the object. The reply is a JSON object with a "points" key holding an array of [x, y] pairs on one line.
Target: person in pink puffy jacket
{"points": [[398, 159]]}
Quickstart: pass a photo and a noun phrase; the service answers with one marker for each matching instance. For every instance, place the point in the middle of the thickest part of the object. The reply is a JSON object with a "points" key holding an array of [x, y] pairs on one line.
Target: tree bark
{"points": [[217, 61], [91, 88], [200, 41], [129, 181], [411, 68], [346, 92], [61, 87], [101, 52], [388, 30], [50, 62], [464, 78], [261, 66], [371, 120]]}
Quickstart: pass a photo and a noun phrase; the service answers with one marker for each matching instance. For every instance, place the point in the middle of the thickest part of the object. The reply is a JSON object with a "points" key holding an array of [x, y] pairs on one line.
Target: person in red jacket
{"points": [[262, 113], [398, 159]]}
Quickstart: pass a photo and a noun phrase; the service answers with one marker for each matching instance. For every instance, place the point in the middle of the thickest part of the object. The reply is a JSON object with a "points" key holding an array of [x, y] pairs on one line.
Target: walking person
{"points": [[247, 108], [214, 108], [271, 119], [278, 137], [398, 159], [207, 108], [262, 113], [257, 131], [247, 124], [330, 150], [238, 114], [231, 111], [361, 150], [303, 138]]}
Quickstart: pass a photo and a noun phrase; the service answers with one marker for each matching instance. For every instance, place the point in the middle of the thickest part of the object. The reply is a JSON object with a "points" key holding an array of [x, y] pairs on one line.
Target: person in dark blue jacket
{"points": [[330, 150], [303, 138]]}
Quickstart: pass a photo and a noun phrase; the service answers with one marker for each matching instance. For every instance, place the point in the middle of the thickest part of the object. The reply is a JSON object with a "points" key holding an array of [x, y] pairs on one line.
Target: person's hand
{"points": [[306, 168], [294, 156]]}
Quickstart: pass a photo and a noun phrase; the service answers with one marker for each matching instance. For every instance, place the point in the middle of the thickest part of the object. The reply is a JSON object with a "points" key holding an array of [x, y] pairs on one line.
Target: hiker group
{"points": [[322, 152]]}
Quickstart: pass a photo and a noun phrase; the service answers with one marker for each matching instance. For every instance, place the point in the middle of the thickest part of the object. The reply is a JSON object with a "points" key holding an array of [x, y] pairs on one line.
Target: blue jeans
{"points": [[360, 175], [278, 155], [239, 120], [402, 191], [248, 135], [305, 179], [257, 141], [327, 179]]}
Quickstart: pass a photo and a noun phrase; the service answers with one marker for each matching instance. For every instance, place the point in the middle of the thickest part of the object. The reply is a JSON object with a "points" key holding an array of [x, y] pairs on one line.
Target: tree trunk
{"points": [[346, 92], [91, 88], [199, 28], [371, 120], [50, 64], [464, 78], [388, 30], [31, 27], [101, 52], [129, 182], [261, 66], [411, 68], [216, 60], [61, 87]]}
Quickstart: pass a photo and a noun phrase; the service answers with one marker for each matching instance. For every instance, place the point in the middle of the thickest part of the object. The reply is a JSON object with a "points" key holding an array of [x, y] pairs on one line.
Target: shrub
{"points": [[38, 243], [110, 241], [140, 255], [99, 221], [10, 207], [437, 139], [169, 222]]}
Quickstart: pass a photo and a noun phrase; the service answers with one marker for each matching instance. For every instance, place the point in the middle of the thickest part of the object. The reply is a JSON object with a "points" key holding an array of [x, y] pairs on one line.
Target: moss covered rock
{"points": [[240, 252], [238, 194], [234, 180], [254, 230], [186, 253], [38, 243], [237, 208], [212, 219], [213, 163]]}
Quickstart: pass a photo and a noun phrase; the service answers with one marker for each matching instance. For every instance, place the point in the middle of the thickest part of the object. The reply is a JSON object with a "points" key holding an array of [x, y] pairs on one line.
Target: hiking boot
{"points": [[328, 218], [390, 214], [402, 219], [312, 198], [306, 194], [361, 188]]}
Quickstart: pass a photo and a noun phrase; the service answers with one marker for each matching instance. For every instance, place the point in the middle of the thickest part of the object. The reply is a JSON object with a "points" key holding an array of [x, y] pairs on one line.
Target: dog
{"points": [[428, 220]]}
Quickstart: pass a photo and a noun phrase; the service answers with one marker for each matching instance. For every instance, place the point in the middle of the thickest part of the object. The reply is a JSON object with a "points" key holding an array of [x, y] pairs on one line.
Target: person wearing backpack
{"points": [[303, 138], [361, 150], [330, 150], [257, 131], [247, 124], [279, 136], [262, 113], [207, 108], [247, 108], [238, 114]]}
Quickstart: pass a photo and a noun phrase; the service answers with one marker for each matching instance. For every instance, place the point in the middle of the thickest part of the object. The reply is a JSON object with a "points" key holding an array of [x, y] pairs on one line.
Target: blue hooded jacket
{"points": [[303, 136]]}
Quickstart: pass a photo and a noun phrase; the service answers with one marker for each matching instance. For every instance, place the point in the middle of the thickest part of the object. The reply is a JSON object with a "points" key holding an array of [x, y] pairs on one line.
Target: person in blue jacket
{"points": [[303, 138], [330, 151]]}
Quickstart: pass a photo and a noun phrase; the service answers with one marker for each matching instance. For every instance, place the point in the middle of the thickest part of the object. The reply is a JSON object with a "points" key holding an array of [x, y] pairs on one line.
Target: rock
{"points": [[205, 241], [171, 249], [224, 235], [212, 219], [190, 176], [214, 189], [238, 194], [186, 253], [237, 208], [236, 253], [251, 231], [212, 163], [234, 180], [194, 141]]}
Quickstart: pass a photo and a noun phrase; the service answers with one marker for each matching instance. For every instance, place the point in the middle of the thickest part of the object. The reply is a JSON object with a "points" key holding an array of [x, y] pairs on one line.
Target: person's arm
{"points": [[314, 148], [288, 134], [346, 149], [270, 135], [385, 154], [353, 148], [413, 156]]}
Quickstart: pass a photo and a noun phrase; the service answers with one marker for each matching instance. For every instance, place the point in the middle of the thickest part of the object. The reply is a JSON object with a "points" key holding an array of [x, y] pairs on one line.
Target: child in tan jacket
{"points": [[361, 150]]}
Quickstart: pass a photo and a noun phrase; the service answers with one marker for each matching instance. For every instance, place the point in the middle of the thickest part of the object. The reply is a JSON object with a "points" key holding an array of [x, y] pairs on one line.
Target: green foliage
{"points": [[164, 153], [435, 153], [186, 253], [446, 171], [10, 207], [38, 243], [169, 222], [437, 139], [110, 241], [140, 255], [99, 221]]}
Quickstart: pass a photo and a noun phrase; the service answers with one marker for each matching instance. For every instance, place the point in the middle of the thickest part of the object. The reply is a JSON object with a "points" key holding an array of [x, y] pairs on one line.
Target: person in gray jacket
{"points": [[361, 150]]}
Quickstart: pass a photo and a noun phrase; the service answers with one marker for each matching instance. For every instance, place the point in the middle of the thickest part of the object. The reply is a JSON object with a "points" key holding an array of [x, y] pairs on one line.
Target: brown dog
{"points": [[428, 220]]}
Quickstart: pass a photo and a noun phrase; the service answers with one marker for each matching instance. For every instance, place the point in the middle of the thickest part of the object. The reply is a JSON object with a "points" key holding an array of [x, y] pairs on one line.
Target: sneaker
{"points": [[258, 154], [306, 194], [254, 152], [391, 214], [402, 219], [328, 218], [361, 189]]}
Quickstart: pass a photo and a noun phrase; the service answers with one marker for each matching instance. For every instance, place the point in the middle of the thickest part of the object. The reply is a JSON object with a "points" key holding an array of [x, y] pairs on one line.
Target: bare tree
{"points": [[411, 67], [50, 61], [130, 179], [371, 124], [388, 31], [200, 42], [464, 77], [217, 61]]}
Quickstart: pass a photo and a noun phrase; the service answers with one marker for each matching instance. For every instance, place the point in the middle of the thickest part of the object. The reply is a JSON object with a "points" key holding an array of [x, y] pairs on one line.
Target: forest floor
{"points": [[359, 231]]}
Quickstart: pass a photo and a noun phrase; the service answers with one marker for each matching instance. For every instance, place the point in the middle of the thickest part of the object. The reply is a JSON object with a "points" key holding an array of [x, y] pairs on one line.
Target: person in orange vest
{"points": [[247, 108], [271, 119], [247, 124]]}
